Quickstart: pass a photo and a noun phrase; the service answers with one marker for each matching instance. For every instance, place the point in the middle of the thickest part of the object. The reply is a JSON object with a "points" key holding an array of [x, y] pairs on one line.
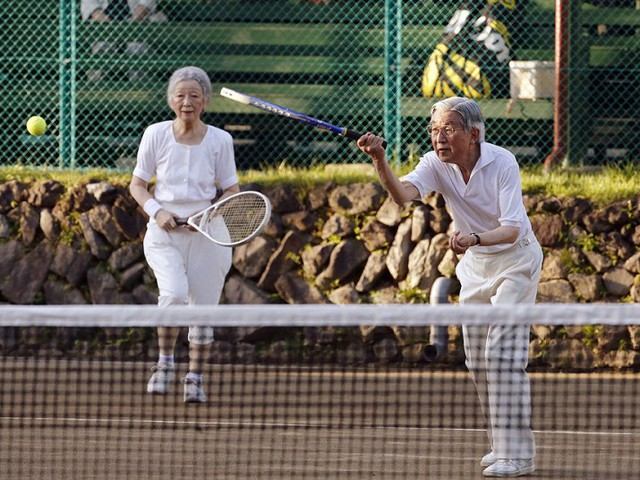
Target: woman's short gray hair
{"points": [[190, 73], [468, 109]]}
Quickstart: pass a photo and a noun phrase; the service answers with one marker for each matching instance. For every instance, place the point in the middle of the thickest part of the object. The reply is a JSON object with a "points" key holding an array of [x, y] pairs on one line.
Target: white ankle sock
{"points": [[168, 359], [194, 376]]}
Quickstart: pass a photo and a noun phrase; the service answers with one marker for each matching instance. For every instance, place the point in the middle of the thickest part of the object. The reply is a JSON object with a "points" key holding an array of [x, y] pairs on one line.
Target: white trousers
{"points": [[497, 355], [189, 269]]}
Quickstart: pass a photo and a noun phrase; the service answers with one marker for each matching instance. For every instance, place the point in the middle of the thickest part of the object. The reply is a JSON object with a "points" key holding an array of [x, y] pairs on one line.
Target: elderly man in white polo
{"points": [[500, 264]]}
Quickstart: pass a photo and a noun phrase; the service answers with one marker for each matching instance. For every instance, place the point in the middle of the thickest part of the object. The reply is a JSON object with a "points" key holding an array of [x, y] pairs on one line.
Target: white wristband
{"points": [[151, 207]]}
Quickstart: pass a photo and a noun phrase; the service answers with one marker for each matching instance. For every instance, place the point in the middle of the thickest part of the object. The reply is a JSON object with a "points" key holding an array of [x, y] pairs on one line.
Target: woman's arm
{"points": [[139, 190], [235, 188]]}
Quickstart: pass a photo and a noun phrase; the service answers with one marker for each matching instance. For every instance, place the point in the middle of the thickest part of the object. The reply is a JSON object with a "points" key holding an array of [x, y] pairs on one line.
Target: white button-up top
{"points": [[186, 174]]}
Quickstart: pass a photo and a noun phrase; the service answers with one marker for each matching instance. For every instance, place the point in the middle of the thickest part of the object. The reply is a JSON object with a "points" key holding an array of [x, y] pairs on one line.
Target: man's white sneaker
{"points": [[163, 376], [510, 467], [193, 391], [489, 459]]}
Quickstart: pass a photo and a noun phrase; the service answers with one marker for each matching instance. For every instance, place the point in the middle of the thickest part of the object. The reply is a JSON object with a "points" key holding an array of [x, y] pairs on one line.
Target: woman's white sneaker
{"points": [[193, 391], [163, 376]]}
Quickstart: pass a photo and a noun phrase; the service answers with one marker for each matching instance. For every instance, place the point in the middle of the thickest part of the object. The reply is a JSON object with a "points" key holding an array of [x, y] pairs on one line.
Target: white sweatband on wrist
{"points": [[151, 207]]}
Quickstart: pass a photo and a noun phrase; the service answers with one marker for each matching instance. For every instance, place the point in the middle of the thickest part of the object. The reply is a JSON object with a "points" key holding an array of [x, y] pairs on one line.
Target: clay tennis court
{"points": [[80, 419]]}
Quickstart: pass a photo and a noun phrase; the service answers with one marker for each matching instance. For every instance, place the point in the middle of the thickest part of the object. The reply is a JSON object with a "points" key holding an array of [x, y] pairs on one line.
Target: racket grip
{"points": [[355, 136], [180, 220]]}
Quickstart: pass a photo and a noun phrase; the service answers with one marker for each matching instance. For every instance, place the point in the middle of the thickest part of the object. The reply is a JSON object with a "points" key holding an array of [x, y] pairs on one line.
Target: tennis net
{"points": [[310, 391]]}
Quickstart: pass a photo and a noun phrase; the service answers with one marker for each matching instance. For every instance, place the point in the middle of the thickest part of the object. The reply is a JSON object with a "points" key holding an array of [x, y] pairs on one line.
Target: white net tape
{"points": [[318, 315]]}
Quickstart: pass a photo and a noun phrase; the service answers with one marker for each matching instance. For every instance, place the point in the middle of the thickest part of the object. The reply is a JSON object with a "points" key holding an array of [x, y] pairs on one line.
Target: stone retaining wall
{"points": [[331, 244]]}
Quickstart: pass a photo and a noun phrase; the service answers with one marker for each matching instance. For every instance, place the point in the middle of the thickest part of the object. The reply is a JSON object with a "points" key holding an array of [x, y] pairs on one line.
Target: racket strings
{"points": [[241, 216]]}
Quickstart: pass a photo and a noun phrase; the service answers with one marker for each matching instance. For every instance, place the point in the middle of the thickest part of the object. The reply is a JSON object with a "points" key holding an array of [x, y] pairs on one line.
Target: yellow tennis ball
{"points": [[36, 125]]}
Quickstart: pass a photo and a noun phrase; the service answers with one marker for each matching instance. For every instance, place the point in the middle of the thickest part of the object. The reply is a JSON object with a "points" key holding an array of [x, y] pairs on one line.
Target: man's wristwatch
{"points": [[477, 238]]}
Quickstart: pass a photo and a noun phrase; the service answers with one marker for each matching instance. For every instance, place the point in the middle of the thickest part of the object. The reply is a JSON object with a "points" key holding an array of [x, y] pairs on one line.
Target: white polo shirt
{"points": [[492, 197], [186, 174]]}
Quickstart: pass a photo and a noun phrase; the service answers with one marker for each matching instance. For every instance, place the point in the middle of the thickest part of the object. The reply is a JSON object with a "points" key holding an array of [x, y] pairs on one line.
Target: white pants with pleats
{"points": [[190, 270], [497, 355]]}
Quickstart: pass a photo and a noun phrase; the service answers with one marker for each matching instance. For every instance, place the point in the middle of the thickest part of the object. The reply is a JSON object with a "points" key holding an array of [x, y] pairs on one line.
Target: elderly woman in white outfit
{"points": [[191, 162], [501, 264]]}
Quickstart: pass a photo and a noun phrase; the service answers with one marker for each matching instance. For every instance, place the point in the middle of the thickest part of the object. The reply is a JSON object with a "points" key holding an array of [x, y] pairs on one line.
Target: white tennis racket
{"points": [[233, 220]]}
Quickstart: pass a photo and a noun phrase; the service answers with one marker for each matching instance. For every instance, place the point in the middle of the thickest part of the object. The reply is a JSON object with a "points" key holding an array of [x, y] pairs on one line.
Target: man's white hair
{"points": [[468, 109]]}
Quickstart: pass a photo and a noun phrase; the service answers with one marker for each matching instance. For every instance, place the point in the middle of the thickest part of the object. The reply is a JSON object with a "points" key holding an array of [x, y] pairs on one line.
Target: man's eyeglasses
{"points": [[448, 131]]}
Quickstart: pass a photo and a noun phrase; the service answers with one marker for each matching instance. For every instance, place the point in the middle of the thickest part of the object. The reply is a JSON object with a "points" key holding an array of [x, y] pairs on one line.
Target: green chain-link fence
{"points": [[373, 65]]}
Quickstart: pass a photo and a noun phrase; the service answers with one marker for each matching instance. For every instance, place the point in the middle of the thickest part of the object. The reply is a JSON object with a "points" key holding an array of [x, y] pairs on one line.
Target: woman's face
{"points": [[188, 101]]}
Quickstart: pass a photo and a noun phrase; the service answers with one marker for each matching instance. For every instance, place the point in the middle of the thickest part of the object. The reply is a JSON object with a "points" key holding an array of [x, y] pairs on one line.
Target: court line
{"points": [[217, 423]]}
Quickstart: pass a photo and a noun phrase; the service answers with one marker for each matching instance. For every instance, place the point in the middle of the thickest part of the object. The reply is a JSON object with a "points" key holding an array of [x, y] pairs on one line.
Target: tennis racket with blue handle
{"points": [[292, 114]]}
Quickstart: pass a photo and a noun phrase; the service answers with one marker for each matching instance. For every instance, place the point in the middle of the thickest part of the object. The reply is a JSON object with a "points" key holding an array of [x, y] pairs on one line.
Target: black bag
{"points": [[472, 58]]}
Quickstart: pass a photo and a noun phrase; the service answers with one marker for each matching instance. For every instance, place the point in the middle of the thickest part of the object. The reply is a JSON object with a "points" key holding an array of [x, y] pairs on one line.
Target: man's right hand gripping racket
{"points": [[234, 220]]}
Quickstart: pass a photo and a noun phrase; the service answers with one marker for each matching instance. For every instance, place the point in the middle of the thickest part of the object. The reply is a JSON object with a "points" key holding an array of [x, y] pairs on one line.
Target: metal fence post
{"points": [[67, 101], [580, 119], [393, 80]]}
